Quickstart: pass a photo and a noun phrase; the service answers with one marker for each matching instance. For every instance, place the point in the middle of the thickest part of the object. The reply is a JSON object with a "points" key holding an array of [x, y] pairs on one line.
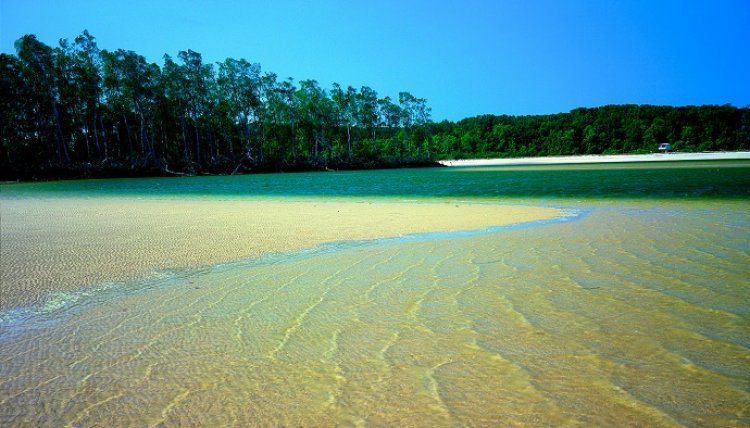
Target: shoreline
{"points": [[70, 244], [594, 159]]}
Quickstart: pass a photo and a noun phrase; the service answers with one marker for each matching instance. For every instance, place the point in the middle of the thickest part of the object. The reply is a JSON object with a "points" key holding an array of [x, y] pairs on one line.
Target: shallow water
{"points": [[62, 244], [695, 179], [631, 313]]}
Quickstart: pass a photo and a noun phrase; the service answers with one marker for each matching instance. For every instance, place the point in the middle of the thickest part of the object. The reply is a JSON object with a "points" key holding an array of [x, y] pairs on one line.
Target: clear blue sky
{"points": [[466, 57]]}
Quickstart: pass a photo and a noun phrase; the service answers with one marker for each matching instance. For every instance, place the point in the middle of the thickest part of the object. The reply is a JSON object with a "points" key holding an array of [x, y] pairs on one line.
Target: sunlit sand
{"points": [[611, 318], [63, 244], [204, 302]]}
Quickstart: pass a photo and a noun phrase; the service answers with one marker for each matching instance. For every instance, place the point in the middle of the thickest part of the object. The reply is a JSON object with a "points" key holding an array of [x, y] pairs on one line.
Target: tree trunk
{"points": [[104, 137], [294, 143], [349, 141], [197, 143], [322, 138], [62, 150], [212, 146], [315, 145], [127, 132], [184, 139], [145, 144], [96, 132], [230, 152], [246, 129], [152, 139], [88, 146], [119, 141], [262, 141]]}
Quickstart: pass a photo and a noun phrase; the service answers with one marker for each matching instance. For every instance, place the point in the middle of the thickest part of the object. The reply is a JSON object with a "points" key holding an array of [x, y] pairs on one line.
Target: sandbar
{"points": [[70, 243], [592, 159]]}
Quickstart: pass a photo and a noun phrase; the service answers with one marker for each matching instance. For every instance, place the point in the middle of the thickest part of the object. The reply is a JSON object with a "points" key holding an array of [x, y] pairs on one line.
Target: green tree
{"points": [[367, 114], [345, 105], [240, 85], [38, 65]]}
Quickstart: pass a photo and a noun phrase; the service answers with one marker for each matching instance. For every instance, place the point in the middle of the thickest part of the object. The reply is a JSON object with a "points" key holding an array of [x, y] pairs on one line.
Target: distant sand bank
{"points": [[69, 243], [555, 160]]}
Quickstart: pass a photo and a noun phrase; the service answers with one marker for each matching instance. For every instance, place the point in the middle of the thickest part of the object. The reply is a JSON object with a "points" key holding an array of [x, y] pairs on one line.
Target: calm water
{"points": [[718, 179], [633, 310]]}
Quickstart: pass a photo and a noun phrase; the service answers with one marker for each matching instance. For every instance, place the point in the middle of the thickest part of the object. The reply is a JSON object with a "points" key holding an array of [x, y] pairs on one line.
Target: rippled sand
{"points": [[63, 244], [633, 315]]}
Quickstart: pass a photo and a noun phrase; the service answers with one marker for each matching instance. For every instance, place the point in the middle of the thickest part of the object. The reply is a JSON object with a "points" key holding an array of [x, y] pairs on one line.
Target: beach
{"points": [[607, 318], [69, 243], [592, 159], [603, 299]]}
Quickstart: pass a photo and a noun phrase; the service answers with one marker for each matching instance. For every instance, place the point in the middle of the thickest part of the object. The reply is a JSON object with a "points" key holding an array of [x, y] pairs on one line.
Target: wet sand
{"points": [[610, 317], [64, 244]]}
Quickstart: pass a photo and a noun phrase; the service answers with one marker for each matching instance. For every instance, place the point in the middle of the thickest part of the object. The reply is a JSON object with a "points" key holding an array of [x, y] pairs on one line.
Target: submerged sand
{"points": [[63, 244], [615, 317]]}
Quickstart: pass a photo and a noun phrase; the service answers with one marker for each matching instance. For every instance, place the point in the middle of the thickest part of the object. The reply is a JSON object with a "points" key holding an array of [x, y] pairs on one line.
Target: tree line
{"points": [[609, 129], [76, 110]]}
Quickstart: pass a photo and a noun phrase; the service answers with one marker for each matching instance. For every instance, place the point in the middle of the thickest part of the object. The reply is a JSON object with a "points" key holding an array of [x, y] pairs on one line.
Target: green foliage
{"points": [[611, 129], [76, 110]]}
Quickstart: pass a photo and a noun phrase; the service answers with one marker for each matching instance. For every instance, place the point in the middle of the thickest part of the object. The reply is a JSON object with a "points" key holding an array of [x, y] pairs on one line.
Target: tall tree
{"points": [[196, 77], [315, 109], [88, 65], [39, 67], [344, 103], [132, 87], [177, 98], [367, 114], [239, 83], [390, 115]]}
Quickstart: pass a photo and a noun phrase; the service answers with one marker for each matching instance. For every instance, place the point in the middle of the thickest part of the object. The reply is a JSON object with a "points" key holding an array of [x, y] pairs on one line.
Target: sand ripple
{"points": [[561, 325], [63, 244]]}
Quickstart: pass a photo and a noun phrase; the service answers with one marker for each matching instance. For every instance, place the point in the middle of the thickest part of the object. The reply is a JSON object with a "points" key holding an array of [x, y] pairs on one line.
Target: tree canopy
{"points": [[601, 130], [76, 110]]}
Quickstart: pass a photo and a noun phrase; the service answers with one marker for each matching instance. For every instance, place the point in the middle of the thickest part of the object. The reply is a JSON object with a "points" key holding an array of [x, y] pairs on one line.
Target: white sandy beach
{"points": [[587, 159]]}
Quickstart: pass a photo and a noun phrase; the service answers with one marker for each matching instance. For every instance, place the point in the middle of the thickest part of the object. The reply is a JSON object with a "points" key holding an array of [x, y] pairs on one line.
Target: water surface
{"points": [[718, 179], [631, 311]]}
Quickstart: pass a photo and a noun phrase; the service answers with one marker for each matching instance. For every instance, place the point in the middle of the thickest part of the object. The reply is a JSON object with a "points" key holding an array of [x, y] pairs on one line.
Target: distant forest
{"points": [[77, 111]]}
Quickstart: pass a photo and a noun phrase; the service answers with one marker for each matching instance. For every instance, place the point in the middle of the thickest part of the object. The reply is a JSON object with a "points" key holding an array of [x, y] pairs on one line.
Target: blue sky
{"points": [[466, 57]]}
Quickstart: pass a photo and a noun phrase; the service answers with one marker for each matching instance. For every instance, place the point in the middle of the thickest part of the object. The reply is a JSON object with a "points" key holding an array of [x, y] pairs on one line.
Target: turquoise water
{"points": [[717, 179], [632, 310]]}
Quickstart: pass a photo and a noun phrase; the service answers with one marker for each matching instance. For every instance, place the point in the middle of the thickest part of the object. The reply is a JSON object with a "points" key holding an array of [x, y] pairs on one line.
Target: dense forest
{"points": [[602, 130], [75, 110]]}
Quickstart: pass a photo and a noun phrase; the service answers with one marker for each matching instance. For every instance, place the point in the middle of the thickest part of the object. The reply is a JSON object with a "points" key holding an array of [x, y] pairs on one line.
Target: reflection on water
{"points": [[629, 316]]}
